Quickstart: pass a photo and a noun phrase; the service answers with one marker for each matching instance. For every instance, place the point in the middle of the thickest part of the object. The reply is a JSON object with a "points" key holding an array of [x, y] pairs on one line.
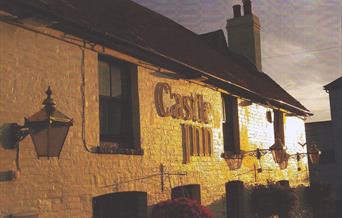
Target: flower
{"points": [[180, 208]]}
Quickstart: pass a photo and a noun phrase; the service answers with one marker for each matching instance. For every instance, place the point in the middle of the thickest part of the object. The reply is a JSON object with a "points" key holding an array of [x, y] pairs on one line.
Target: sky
{"points": [[300, 39]]}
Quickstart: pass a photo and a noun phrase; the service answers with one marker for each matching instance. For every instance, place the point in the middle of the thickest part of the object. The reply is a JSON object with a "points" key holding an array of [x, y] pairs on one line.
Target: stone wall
{"points": [[65, 187]]}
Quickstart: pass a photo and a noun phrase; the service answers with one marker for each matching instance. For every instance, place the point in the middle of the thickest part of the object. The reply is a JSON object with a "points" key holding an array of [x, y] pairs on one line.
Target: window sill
{"points": [[118, 150]]}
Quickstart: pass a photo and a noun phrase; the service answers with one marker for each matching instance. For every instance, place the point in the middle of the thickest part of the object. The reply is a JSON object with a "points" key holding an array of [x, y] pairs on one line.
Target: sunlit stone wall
{"points": [[64, 187]]}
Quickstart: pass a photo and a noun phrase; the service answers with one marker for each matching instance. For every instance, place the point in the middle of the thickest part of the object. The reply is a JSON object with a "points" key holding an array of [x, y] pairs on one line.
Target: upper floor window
{"points": [[278, 125], [116, 90], [231, 131]]}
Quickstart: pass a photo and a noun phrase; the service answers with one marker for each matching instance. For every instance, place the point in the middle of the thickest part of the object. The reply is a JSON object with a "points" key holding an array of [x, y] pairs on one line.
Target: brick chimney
{"points": [[244, 33]]}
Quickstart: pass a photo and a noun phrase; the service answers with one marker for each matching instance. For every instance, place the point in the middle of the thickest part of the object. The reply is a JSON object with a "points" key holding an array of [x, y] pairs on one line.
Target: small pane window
{"points": [[116, 82], [115, 102], [104, 78]]}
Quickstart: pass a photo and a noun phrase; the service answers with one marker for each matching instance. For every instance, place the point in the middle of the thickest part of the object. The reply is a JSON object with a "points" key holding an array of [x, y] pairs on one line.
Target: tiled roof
{"points": [[335, 84], [129, 27]]}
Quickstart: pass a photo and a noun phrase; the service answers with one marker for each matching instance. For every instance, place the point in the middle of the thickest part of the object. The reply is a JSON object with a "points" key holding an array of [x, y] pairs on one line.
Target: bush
{"points": [[272, 199], [180, 208]]}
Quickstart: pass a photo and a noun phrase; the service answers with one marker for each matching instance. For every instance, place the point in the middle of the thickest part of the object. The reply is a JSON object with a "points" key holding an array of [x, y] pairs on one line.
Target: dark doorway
{"points": [[234, 196], [120, 205]]}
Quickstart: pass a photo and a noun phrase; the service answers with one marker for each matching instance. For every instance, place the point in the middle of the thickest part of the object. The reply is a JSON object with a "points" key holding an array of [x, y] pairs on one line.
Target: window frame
{"points": [[129, 135], [278, 126], [230, 124]]}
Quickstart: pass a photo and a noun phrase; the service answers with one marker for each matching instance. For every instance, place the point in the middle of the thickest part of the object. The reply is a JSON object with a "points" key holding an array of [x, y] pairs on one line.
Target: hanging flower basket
{"points": [[180, 208]]}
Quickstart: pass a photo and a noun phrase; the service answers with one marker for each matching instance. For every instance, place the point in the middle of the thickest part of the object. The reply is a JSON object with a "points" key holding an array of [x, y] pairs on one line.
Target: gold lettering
{"points": [[194, 109], [207, 141], [177, 108], [191, 107], [187, 108], [200, 108], [197, 141], [206, 112], [186, 143], [158, 98]]}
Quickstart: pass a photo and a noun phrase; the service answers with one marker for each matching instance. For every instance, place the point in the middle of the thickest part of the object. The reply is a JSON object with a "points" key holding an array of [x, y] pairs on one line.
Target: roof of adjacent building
{"points": [[334, 84], [128, 27]]}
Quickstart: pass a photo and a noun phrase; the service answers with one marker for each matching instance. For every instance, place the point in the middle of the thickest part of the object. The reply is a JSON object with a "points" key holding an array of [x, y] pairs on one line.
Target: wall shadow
{"points": [[6, 138]]}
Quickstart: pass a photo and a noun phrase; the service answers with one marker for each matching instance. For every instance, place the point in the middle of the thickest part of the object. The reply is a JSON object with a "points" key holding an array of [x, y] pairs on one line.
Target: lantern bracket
{"points": [[17, 133]]}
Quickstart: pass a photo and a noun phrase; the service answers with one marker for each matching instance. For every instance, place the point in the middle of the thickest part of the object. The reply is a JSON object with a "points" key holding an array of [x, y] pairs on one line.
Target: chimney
{"points": [[247, 7], [244, 34], [237, 10]]}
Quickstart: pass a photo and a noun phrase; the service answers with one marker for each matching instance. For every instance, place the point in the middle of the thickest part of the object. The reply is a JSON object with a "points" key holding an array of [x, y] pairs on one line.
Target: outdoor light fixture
{"points": [[233, 160], [278, 151], [48, 129], [313, 153], [269, 116], [284, 163]]}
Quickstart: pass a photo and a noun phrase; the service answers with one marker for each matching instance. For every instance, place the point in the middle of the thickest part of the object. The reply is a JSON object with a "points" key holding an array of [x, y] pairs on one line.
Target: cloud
{"points": [[301, 40]]}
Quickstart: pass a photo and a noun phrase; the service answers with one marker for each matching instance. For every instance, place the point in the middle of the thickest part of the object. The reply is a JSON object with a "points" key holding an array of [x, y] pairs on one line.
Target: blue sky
{"points": [[301, 40]]}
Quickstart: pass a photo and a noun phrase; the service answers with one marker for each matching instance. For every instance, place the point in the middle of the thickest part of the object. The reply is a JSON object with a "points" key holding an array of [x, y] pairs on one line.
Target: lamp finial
{"points": [[49, 103]]}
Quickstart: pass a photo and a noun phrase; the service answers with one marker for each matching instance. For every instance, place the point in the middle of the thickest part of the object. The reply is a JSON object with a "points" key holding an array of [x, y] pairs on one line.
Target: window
{"points": [[278, 125], [118, 121], [231, 134]]}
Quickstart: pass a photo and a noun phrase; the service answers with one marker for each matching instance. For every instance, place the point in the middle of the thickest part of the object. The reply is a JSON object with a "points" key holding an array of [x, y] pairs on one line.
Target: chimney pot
{"points": [[237, 10], [247, 7]]}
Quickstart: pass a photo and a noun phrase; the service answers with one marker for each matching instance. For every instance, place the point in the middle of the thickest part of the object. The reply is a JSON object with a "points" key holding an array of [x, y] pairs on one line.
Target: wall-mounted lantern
{"points": [[234, 161], [278, 151], [48, 129], [313, 153], [283, 165], [269, 117]]}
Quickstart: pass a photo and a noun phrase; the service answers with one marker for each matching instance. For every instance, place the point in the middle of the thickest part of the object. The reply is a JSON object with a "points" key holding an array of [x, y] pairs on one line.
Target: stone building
{"points": [[327, 135], [158, 111]]}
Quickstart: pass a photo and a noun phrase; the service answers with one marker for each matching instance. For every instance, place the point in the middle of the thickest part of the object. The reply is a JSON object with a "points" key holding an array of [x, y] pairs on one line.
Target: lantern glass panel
{"points": [[48, 132], [278, 155], [234, 164], [314, 154], [284, 163], [314, 158], [57, 138], [39, 138]]}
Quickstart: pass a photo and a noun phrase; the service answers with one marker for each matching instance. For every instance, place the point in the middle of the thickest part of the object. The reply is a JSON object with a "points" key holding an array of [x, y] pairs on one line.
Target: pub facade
{"points": [[158, 111]]}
